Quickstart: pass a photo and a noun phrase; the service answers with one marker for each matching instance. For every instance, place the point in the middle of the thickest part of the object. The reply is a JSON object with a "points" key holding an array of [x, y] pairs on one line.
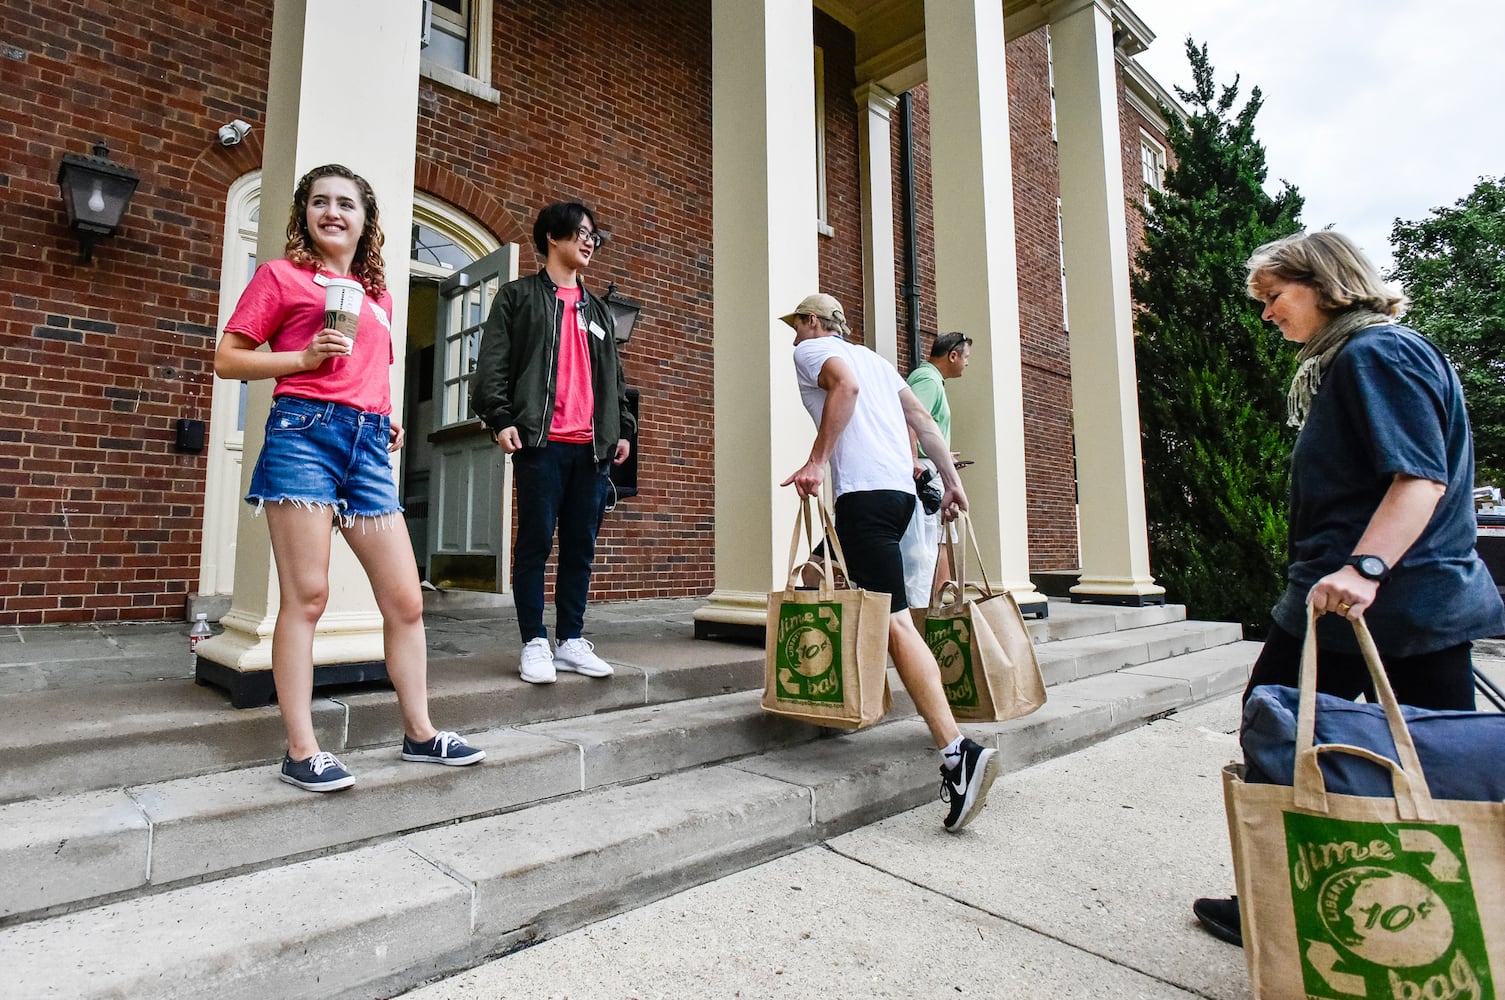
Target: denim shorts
{"points": [[325, 455]]}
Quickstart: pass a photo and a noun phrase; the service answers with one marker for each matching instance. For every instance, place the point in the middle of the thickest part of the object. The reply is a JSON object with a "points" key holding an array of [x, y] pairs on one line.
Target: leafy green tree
{"points": [[1452, 264], [1212, 375]]}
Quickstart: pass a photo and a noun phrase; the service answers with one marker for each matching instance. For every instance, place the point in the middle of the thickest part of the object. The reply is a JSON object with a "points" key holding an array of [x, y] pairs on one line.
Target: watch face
{"points": [[1372, 566]]}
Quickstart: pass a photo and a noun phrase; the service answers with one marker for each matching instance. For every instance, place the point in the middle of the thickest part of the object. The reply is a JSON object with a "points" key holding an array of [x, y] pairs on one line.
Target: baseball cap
{"points": [[820, 304]]}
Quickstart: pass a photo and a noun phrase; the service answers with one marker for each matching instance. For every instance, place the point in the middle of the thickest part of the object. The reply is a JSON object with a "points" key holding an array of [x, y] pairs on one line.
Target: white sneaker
{"points": [[537, 664], [578, 656]]}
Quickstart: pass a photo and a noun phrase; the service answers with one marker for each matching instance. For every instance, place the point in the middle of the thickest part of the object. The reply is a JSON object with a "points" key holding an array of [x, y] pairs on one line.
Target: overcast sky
{"points": [[1374, 109]]}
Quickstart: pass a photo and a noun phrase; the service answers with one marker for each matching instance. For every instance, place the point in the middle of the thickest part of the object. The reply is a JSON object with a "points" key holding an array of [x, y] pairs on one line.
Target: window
{"points": [[821, 225], [432, 247], [1050, 82], [1061, 250], [1152, 165], [457, 45], [448, 34]]}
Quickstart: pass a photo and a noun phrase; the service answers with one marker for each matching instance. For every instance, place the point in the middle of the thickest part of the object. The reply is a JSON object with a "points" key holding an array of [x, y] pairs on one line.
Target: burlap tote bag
{"points": [[988, 664], [1345, 896], [826, 657]]}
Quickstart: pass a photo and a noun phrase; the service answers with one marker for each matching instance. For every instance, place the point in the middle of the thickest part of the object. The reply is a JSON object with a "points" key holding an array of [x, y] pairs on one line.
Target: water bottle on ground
{"points": [[199, 631]]}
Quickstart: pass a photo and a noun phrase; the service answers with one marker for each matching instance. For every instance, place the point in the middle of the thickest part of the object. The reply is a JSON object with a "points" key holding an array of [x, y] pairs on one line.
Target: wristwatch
{"points": [[1369, 567]]}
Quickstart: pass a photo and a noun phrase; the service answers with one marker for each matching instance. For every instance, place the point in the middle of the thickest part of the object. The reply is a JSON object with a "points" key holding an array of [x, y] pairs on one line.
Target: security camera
{"points": [[231, 134]]}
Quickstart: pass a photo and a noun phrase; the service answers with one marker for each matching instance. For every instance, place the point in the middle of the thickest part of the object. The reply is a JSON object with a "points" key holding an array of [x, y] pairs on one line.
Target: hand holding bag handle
{"points": [[958, 558], [1412, 796]]}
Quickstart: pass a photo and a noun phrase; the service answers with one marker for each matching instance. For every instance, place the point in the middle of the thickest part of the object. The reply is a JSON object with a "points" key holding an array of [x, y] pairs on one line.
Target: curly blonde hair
{"points": [[367, 267]]}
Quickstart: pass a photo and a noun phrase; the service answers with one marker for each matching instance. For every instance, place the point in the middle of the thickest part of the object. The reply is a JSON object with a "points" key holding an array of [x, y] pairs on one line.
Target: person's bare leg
{"points": [[922, 677], [942, 568], [382, 546], [300, 546]]}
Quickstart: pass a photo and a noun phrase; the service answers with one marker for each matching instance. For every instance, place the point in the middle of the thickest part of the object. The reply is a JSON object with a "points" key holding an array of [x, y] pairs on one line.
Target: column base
{"points": [[1129, 594], [348, 649], [254, 688], [1030, 601], [738, 615]]}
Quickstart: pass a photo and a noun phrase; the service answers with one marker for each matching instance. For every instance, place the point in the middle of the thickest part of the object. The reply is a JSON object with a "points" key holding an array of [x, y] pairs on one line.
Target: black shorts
{"points": [[869, 525]]}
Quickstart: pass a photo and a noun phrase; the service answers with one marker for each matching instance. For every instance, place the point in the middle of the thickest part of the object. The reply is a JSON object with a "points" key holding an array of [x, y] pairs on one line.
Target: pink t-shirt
{"points": [[574, 396], [284, 306]]}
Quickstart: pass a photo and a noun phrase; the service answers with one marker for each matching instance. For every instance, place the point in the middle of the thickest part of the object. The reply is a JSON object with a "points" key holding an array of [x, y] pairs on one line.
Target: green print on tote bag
{"points": [[809, 654], [1385, 910], [950, 641]]}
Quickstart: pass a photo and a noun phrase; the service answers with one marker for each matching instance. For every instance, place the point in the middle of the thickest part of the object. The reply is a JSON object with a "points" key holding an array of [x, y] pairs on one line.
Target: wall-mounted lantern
{"points": [[96, 191], [624, 313]]}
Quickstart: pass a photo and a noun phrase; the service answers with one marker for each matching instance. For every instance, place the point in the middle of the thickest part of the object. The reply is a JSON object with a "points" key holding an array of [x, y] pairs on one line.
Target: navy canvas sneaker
{"points": [[444, 748], [320, 773], [966, 785]]}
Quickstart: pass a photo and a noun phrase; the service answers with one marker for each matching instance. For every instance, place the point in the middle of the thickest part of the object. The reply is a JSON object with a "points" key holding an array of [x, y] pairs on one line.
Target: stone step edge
{"points": [[829, 803], [155, 835], [78, 847], [43, 768]]}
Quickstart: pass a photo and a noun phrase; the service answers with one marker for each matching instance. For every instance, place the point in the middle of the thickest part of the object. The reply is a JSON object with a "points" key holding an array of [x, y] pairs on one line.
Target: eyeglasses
{"points": [[589, 235]]}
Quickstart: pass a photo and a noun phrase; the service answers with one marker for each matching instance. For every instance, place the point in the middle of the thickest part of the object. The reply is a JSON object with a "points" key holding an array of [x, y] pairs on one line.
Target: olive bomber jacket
{"points": [[517, 369]]}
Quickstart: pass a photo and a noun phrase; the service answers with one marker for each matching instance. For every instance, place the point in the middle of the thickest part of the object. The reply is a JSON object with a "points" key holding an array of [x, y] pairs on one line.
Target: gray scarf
{"points": [[1316, 354]]}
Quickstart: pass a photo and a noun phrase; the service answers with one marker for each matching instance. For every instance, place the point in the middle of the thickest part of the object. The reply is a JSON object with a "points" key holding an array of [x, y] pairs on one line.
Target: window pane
{"points": [[447, 49], [432, 247]]}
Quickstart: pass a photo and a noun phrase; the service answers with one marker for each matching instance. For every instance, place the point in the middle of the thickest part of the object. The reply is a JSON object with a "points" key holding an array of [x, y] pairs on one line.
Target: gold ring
{"points": [[1344, 606]]}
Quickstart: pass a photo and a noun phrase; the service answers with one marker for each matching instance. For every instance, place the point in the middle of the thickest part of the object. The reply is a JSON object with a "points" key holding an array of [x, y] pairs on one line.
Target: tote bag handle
{"points": [[803, 518], [1412, 796], [957, 555]]}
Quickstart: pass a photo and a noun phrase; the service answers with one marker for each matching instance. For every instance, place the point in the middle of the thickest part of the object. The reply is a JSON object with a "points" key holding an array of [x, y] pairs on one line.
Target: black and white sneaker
{"points": [[322, 772], [444, 748], [966, 785]]}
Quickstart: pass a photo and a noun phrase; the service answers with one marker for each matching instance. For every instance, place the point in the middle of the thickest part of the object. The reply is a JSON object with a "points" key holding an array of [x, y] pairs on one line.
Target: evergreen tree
{"points": [[1212, 374], [1452, 264]]}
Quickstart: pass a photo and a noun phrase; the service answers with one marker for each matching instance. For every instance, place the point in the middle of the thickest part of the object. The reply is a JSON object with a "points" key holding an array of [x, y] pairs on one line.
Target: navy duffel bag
{"points": [[1462, 754]]}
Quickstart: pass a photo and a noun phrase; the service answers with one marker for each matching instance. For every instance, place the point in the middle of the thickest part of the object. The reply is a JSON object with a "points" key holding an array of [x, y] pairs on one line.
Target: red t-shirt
{"points": [[574, 396], [284, 306]]}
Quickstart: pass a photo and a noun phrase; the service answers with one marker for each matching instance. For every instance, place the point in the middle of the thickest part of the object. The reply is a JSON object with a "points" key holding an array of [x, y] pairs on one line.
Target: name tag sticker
{"points": [[596, 329]]}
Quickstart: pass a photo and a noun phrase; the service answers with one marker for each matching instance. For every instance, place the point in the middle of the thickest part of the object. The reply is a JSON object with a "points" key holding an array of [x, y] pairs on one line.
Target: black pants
{"points": [[1443, 679]]}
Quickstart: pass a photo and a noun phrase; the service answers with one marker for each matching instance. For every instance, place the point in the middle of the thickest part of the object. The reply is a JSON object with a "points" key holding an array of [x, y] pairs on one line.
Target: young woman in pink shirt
{"points": [[325, 462]]}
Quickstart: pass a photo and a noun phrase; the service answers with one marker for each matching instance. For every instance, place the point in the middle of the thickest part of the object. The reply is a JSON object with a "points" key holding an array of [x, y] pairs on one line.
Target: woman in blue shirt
{"points": [[1382, 520]]}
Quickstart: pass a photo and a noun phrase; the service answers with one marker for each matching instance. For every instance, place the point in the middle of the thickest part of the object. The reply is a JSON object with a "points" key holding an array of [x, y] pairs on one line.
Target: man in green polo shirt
{"points": [[949, 355]]}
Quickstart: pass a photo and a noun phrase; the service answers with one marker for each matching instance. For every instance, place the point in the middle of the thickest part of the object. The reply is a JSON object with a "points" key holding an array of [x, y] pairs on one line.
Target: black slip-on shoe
{"points": [[1220, 918]]}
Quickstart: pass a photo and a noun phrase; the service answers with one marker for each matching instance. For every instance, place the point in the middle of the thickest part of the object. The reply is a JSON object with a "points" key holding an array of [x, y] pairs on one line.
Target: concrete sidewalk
{"points": [[1076, 881]]}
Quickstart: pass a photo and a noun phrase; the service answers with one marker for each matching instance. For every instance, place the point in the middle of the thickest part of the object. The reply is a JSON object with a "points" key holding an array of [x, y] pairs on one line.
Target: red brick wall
{"points": [[1132, 123], [613, 107], [1044, 345], [99, 516], [600, 100], [841, 252]]}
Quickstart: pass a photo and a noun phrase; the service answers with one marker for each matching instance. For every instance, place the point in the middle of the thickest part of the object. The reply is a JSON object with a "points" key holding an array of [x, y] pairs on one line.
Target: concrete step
{"points": [[78, 847], [78, 739], [1070, 659], [94, 737], [377, 919]]}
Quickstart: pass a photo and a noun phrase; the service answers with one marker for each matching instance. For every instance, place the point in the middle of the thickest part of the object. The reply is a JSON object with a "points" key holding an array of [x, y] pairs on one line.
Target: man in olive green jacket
{"points": [[549, 385]]}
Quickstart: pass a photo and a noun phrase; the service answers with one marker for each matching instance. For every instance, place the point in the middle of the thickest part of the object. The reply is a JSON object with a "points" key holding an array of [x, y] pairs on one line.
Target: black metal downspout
{"points": [[911, 287]]}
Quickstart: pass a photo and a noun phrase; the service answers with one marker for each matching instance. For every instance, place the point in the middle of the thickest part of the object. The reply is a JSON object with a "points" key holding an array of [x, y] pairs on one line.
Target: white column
{"points": [[328, 57], [875, 108], [763, 178], [977, 271], [1110, 484]]}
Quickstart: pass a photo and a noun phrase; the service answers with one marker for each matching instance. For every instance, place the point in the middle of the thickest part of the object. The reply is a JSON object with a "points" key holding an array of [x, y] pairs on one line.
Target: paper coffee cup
{"points": [[342, 305]]}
